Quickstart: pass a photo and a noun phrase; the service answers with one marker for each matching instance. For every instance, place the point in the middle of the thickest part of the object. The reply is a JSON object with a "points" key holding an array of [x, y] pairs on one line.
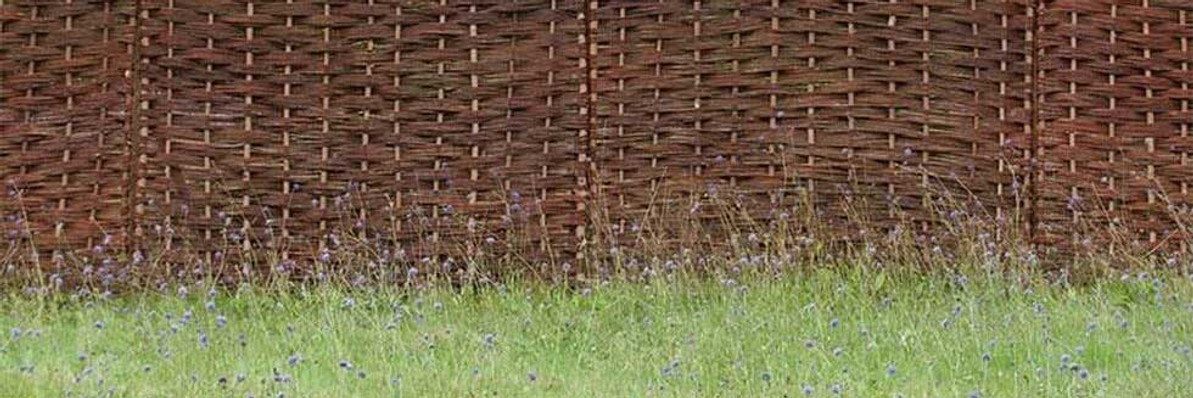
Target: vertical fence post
{"points": [[133, 134], [587, 186], [1033, 101]]}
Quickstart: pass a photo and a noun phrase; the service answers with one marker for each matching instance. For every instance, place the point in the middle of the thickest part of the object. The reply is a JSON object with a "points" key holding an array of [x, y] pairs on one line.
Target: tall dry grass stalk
{"points": [[716, 231]]}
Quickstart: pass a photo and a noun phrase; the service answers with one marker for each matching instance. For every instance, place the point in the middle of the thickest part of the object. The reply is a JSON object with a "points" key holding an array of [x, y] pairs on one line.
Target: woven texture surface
{"points": [[1115, 117], [876, 104], [441, 125], [63, 107], [423, 122]]}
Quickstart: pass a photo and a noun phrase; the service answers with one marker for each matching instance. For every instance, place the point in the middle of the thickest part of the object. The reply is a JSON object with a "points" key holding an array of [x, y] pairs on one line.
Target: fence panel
{"points": [[63, 122], [871, 108], [429, 125], [1114, 152], [432, 127]]}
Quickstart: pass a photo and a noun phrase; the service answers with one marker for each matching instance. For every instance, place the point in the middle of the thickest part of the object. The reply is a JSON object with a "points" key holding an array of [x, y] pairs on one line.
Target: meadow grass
{"points": [[821, 333]]}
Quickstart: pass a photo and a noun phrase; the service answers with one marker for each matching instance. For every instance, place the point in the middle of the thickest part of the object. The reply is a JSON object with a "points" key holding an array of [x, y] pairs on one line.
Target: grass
{"points": [[855, 333]]}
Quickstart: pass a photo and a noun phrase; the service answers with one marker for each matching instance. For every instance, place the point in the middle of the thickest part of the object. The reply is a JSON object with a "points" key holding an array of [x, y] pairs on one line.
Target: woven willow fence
{"points": [[190, 122]]}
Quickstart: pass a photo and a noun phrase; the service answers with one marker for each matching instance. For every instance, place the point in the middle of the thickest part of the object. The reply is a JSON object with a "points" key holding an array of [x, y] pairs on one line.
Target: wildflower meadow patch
{"points": [[817, 333]]}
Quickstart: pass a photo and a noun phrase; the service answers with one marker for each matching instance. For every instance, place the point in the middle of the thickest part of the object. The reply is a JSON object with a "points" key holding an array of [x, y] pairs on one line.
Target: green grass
{"points": [[681, 337]]}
